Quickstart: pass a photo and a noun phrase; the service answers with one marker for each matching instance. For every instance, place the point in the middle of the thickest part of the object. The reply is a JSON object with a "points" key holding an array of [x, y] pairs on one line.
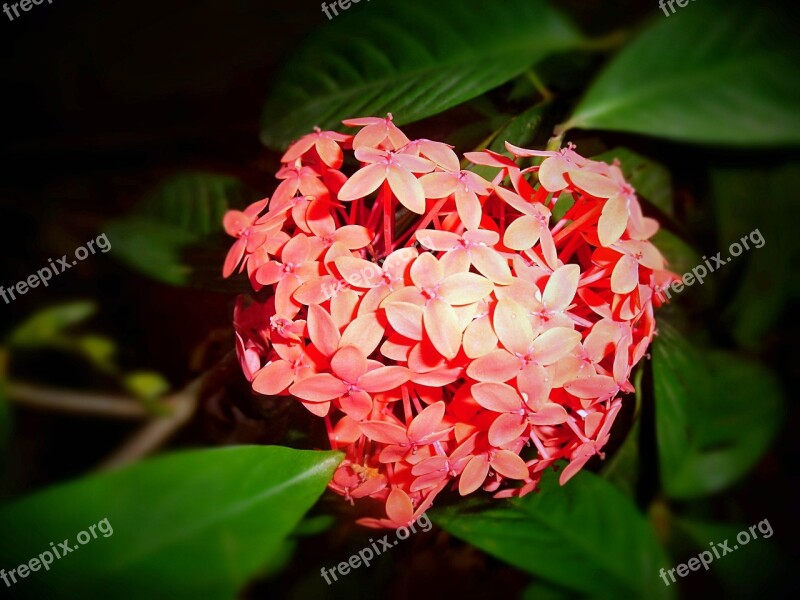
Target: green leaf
{"points": [[716, 415], [413, 58], [651, 179], [715, 72], [195, 524], [769, 277], [46, 328], [146, 385], [182, 211], [750, 571], [586, 536]]}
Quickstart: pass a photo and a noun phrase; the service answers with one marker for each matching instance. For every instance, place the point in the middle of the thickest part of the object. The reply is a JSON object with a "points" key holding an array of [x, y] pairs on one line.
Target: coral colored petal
{"points": [[474, 474], [346, 431], [594, 184], [441, 325], [551, 414], [384, 433], [438, 185], [270, 273], [497, 397], [491, 264], [554, 344], [426, 422], [363, 182], [234, 257], [426, 272], [354, 237], [405, 318], [512, 327], [359, 272], [469, 208], [330, 152], [274, 378], [497, 366], [464, 288], [506, 429], [399, 507], [522, 234], [318, 388], [437, 240], [561, 288], [613, 220], [365, 333], [535, 384], [509, 465], [625, 276], [572, 469], [322, 330], [384, 379], [551, 173], [479, 338], [407, 189], [356, 405], [349, 364], [594, 386]]}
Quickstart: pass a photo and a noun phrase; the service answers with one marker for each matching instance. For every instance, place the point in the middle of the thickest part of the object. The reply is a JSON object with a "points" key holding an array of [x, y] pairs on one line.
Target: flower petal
{"points": [[363, 182], [497, 397], [512, 326], [441, 325], [407, 189], [318, 388], [464, 288]]}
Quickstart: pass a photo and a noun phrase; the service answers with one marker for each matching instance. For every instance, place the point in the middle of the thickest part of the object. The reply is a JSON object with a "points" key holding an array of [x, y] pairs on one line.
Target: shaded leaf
{"points": [[180, 212], [586, 536], [46, 327], [409, 57], [717, 72], [716, 415], [195, 524]]}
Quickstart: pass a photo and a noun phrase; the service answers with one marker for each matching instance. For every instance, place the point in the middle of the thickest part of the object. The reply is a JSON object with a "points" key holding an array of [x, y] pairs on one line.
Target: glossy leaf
{"points": [[714, 72], [716, 415], [410, 57], [585, 536], [190, 525]]}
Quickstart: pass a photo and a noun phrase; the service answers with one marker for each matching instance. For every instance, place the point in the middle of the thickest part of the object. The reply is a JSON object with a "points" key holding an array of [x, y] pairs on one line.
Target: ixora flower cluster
{"points": [[447, 328]]}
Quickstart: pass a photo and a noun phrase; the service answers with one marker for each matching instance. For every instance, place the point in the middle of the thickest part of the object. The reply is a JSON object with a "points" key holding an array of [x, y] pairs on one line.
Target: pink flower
{"points": [[446, 329]]}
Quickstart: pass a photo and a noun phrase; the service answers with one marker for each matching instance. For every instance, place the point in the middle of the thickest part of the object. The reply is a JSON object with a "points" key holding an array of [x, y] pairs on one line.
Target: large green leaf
{"points": [[414, 58], [180, 212], [754, 569], [715, 72], [196, 524], [769, 274], [716, 415], [586, 536]]}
